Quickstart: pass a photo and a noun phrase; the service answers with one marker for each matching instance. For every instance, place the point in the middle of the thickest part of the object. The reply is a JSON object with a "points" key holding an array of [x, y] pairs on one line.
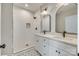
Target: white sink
{"points": [[49, 35], [53, 36], [58, 37]]}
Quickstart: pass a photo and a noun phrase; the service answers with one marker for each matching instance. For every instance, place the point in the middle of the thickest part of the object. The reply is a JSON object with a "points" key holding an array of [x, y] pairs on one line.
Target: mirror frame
{"points": [[49, 24]]}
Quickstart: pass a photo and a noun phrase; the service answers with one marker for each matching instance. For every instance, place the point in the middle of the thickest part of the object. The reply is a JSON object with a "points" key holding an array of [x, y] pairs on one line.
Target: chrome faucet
{"points": [[44, 32], [64, 33]]}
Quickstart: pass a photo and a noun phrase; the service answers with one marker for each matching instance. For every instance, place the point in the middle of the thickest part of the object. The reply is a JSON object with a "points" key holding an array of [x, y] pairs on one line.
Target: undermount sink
{"points": [[49, 35], [65, 38], [59, 37], [68, 38]]}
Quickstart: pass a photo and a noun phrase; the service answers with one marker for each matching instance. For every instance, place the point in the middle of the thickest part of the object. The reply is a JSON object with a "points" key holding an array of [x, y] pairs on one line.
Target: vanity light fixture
{"points": [[34, 17], [65, 4], [26, 5], [44, 12]]}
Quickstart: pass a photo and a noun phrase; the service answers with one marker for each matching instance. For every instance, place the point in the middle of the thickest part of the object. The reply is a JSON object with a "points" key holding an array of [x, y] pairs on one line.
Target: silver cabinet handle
{"points": [[56, 51]]}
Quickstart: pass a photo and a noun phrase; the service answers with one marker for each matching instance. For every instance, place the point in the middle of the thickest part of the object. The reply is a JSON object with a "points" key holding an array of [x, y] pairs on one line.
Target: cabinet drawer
{"points": [[64, 53], [53, 51], [66, 47], [58, 52]]}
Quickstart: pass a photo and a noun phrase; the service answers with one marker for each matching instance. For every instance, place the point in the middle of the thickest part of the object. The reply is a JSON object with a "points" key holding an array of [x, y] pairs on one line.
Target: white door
{"points": [[0, 27]]}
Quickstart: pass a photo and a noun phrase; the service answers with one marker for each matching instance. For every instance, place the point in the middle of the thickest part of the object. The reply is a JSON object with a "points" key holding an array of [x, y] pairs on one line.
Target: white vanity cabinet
{"points": [[51, 47], [54, 51], [63, 49], [42, 45]]}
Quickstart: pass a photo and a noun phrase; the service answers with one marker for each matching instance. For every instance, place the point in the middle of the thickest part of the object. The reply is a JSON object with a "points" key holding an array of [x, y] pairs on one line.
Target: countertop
{"points": [[58, 37]]}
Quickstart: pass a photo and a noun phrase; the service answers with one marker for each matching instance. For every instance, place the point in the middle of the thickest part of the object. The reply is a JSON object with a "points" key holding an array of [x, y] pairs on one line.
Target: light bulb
{"points": [[65, 4], [26, 5], [44, 12]]}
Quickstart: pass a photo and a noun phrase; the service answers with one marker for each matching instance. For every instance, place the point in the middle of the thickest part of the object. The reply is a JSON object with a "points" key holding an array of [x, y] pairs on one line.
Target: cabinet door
{"points": [[43, 46], [58, 52], [37, 43], [53, 51], [63, 53], [65, 47]]}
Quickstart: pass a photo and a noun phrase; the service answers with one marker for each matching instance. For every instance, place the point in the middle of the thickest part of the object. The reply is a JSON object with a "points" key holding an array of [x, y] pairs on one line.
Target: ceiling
{"points": [[70, 6], [33, 7]]}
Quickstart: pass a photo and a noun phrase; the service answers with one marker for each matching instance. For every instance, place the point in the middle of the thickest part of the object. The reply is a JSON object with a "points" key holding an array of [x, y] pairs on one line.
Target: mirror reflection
{"points": [[66, 19]]}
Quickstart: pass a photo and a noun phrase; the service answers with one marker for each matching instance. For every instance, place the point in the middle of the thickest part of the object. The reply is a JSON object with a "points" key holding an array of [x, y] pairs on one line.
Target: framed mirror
{"points": [[46, 23], [66, 19]]}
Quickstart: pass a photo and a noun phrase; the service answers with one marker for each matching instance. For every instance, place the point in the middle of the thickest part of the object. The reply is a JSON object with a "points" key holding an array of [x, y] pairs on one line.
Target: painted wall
{"points": [[21, 34], [7, 27]]}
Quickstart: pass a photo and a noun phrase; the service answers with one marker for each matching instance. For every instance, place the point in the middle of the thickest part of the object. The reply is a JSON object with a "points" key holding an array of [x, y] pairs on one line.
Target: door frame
{"points": [[0, 27]]}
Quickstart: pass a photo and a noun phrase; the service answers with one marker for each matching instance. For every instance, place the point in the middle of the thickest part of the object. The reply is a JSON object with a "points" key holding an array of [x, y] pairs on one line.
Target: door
{"points": [[0, 27]]}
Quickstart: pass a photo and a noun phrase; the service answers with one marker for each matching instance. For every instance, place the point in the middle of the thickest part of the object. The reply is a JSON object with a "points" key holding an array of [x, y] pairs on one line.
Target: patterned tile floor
{"points": [[27, 52]]}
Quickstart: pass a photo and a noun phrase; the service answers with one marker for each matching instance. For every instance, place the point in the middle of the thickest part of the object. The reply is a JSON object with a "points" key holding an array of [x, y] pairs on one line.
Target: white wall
{"points": [[22, 35]]}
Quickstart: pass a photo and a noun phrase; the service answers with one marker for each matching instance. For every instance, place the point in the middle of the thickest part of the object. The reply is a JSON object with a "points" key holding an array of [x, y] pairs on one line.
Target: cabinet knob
{"points": [[59, 52], [56, 51], [44, 46]]}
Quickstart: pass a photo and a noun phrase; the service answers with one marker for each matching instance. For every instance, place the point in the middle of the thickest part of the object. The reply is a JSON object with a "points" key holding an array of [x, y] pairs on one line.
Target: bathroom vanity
{"points": [[53, 45], [58, 44]]}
